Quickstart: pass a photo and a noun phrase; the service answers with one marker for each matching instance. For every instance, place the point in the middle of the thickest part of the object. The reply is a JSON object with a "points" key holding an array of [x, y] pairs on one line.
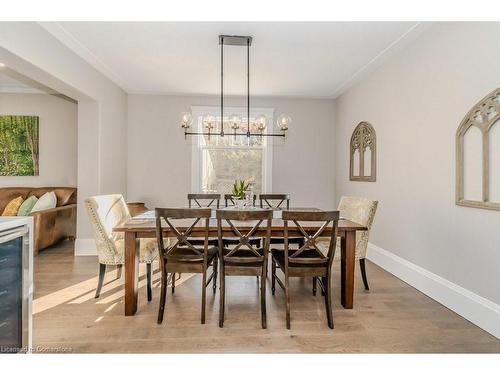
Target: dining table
{"points": [[144, 226]]}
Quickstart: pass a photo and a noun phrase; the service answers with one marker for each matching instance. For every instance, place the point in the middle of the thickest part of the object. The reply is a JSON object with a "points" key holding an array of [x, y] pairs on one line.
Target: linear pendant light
{"points": [[283, 121]]}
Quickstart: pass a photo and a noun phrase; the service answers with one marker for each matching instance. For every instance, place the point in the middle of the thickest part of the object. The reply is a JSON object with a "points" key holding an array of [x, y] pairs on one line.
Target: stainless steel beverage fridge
{"points": [[16, 284]]}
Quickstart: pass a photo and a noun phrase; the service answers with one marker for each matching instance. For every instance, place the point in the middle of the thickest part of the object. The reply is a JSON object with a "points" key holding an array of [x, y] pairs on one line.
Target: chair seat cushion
{"points": [[186, 252], [148, 251], [244, 253], [279, 256], [235, 241], [291, 240], [201, 241], [323, 244]]}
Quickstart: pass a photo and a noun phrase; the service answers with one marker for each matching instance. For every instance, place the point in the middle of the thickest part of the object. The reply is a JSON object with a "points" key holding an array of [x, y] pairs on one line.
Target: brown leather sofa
{"points": [[51, 225]]}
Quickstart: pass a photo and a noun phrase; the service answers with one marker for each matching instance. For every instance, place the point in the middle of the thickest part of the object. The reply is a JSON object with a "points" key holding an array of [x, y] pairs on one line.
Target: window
{"points": [[218, 161], [478, 155], [363, 153]]}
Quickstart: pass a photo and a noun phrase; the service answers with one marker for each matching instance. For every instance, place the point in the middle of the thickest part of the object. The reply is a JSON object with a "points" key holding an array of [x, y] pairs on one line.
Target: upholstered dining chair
{"points": [[362, 211], [106, 212]]}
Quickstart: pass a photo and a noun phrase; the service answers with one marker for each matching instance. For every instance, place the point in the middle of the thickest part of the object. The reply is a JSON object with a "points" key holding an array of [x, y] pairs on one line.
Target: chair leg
{"points": [[328, 301], [222, 295], [314, 286], [363, 273], [149, 276], [215, 266], [163, 296], [263, 296], [119, 271], [203, 295], [173, 283], [102, 272], [273, 276], [287, 296]]}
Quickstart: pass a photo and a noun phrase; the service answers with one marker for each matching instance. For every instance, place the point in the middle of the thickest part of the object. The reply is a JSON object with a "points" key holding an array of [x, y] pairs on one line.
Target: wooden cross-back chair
{"points": [[308, 260], [274, 201], [196, 198], [181, 255], [229, 202], [200, 200], [244, 259]]}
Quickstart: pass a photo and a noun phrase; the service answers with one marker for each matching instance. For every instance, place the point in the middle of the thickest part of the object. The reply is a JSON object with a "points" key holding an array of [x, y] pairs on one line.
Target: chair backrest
{"points": [[229, 200], [274, 200], [323, 219], [106, 212], [196, 198], [252, 221], [362, 211], [190, 218]]}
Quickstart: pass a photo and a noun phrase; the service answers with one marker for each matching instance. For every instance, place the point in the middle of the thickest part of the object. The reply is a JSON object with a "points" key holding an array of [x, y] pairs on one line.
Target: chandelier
{"points": [[255, 127]]}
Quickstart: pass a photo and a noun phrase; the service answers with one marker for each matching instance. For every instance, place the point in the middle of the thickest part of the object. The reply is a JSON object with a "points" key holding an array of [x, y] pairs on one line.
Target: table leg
{"points": [[131, 272], [347, 261]]}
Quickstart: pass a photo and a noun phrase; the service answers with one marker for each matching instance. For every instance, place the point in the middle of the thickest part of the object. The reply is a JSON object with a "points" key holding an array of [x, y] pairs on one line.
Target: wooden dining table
{"points": [[143, 226]]}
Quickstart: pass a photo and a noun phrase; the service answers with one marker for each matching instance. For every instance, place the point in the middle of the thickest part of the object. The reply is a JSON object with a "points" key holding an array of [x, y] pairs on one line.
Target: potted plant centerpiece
{"points": [[239, 190]]}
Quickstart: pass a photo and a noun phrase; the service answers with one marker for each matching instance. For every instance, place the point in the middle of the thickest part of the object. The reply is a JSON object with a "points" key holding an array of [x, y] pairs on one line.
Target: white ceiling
{"points": [[286, 59]]}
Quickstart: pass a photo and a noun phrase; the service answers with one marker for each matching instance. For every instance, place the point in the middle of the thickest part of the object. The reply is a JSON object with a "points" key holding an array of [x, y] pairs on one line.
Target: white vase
{"points": [[240, 203]]}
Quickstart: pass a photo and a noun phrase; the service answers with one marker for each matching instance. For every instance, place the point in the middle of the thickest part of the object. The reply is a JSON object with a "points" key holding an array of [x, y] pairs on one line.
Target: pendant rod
{"points": [[222, 87], [248, 87]]}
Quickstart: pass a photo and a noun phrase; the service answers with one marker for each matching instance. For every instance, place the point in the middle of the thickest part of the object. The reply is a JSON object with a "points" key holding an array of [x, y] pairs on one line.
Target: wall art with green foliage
{"points": [[19, 145]]}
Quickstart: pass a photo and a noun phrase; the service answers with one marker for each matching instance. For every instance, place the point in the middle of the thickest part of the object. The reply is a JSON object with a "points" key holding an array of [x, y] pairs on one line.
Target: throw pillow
{"points": [[45, 202], [27, 206], [12, 207]]}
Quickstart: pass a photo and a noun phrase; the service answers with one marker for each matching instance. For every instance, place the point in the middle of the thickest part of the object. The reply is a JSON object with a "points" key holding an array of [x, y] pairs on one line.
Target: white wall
{"points": [[415, 103], [159, 158], [31, 50], [57, 138]]}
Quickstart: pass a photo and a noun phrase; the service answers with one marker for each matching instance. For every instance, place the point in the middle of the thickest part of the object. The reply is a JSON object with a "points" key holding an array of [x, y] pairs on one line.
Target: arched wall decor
{"points": [[363, 138], [483, 116]]}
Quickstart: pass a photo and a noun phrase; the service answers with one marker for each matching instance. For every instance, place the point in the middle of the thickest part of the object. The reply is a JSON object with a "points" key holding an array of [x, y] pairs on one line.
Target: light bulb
{"points": [[186, 120], [234, 121], [284, 122], [209, 121], [261, 122]]}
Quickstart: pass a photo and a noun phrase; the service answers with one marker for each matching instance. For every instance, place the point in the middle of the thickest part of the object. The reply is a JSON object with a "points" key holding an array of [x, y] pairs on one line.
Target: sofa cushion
{"points": [[27, 206], [9, 193], [65, 195], [45, 202], [13, 206]]}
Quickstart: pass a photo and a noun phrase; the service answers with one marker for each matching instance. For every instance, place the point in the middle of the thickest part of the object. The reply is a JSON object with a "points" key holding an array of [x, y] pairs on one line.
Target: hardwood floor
{"points": [[391, 318]]}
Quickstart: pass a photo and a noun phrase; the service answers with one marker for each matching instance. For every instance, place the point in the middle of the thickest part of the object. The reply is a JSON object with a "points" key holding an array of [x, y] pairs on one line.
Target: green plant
{"points": [[239, 188]]}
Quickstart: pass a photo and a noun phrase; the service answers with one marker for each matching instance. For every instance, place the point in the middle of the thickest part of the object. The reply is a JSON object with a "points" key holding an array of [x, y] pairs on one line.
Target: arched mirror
{"points": [[478, 155], [363, 148]]}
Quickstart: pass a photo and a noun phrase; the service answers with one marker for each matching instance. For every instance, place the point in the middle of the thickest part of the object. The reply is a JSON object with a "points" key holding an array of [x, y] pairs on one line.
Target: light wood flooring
{"points": [[391, 318]]}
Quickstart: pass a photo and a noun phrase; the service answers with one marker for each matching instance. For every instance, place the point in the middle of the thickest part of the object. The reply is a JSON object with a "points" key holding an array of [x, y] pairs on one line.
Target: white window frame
{"points": [[196, 154]]}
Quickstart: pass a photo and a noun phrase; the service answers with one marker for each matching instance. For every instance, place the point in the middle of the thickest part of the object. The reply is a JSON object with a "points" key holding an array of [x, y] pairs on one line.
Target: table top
{"points": [[146, 222]]}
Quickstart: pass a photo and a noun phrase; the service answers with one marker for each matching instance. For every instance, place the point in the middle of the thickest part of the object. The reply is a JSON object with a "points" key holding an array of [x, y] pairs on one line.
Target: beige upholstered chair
{"points": [[362, 211], [106, 212]]}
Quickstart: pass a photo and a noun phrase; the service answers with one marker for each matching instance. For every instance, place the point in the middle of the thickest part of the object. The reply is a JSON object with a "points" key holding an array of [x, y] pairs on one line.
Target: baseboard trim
{"points": [[476, 309], [85, 247]]}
